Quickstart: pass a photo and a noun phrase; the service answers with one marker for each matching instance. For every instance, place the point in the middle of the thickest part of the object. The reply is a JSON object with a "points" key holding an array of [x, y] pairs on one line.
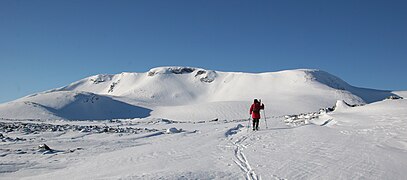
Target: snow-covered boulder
{"points": [[173, 130]]}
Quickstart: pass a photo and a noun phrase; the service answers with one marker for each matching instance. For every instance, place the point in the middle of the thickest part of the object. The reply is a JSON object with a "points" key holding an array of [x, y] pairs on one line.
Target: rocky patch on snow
{"points": [[35, 128], [394, 97], [4, 138], [206, 76], [112, 86], [300, 119], [171, 70], [203, 75], [100, 78], [306, 118]]}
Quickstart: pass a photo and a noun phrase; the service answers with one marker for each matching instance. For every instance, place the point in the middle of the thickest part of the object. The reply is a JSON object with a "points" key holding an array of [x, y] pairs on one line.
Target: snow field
{"points": [[364, 142]]}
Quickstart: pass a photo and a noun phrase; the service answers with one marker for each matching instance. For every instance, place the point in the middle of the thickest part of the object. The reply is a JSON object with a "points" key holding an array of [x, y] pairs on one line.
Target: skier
{"points": [[255, 112]]}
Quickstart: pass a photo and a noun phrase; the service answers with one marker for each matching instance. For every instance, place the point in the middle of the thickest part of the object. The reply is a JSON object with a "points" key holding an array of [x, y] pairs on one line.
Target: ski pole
{"points": [[265, 119], [248, 124]]}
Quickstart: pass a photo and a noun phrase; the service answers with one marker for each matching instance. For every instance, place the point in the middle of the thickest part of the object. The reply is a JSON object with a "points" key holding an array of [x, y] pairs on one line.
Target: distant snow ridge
{"points": [[188, 93], [368, 95], [326, 79]]}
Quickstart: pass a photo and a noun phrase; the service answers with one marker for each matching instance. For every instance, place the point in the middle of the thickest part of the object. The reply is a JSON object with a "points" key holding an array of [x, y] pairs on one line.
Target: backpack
{"points": [[256, 108]]}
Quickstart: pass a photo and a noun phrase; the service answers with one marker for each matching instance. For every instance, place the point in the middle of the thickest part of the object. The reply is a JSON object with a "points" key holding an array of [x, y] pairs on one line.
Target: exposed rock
{"points": [[182, 70], [171, 70], [100, 78], [394, 97], [44, 147], [200, 72], [206, 76], [112, 86]]}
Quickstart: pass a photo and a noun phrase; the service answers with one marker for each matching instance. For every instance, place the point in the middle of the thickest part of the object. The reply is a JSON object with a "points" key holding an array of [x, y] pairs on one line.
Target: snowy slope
{"points": [[185, 93], [364, 142], [72, 105]]}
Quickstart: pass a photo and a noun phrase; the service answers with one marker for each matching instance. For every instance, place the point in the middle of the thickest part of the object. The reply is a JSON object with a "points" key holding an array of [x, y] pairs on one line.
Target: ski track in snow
{"points": [[241, 159]]}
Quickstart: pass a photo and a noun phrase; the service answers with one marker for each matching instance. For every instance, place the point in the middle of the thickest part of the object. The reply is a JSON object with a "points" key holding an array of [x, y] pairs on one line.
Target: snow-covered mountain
{"points": [[185, 93], [159, 132]]}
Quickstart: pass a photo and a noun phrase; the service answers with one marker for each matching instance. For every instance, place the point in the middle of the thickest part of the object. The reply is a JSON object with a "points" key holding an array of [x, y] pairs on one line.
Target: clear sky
{"points": [[46, 44]]}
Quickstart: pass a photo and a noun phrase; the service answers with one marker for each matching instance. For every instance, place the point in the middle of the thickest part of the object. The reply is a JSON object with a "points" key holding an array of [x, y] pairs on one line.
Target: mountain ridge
{"points": [[188, 93]]}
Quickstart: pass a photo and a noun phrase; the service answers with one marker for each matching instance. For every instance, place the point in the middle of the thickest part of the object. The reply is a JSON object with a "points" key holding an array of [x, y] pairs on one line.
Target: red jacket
{"points": [[255, 110]]}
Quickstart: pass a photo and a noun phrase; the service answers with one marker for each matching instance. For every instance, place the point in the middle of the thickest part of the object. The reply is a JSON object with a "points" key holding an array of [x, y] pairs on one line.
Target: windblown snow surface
{"points": [[191, 123]]}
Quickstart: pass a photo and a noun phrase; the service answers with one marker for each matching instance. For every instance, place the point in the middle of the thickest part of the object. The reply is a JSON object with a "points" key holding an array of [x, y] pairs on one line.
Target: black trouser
{"points": [[255, 123]]}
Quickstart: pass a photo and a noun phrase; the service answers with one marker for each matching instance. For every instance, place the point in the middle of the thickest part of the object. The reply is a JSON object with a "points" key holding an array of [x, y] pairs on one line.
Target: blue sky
{"points": [[48, 44]]}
